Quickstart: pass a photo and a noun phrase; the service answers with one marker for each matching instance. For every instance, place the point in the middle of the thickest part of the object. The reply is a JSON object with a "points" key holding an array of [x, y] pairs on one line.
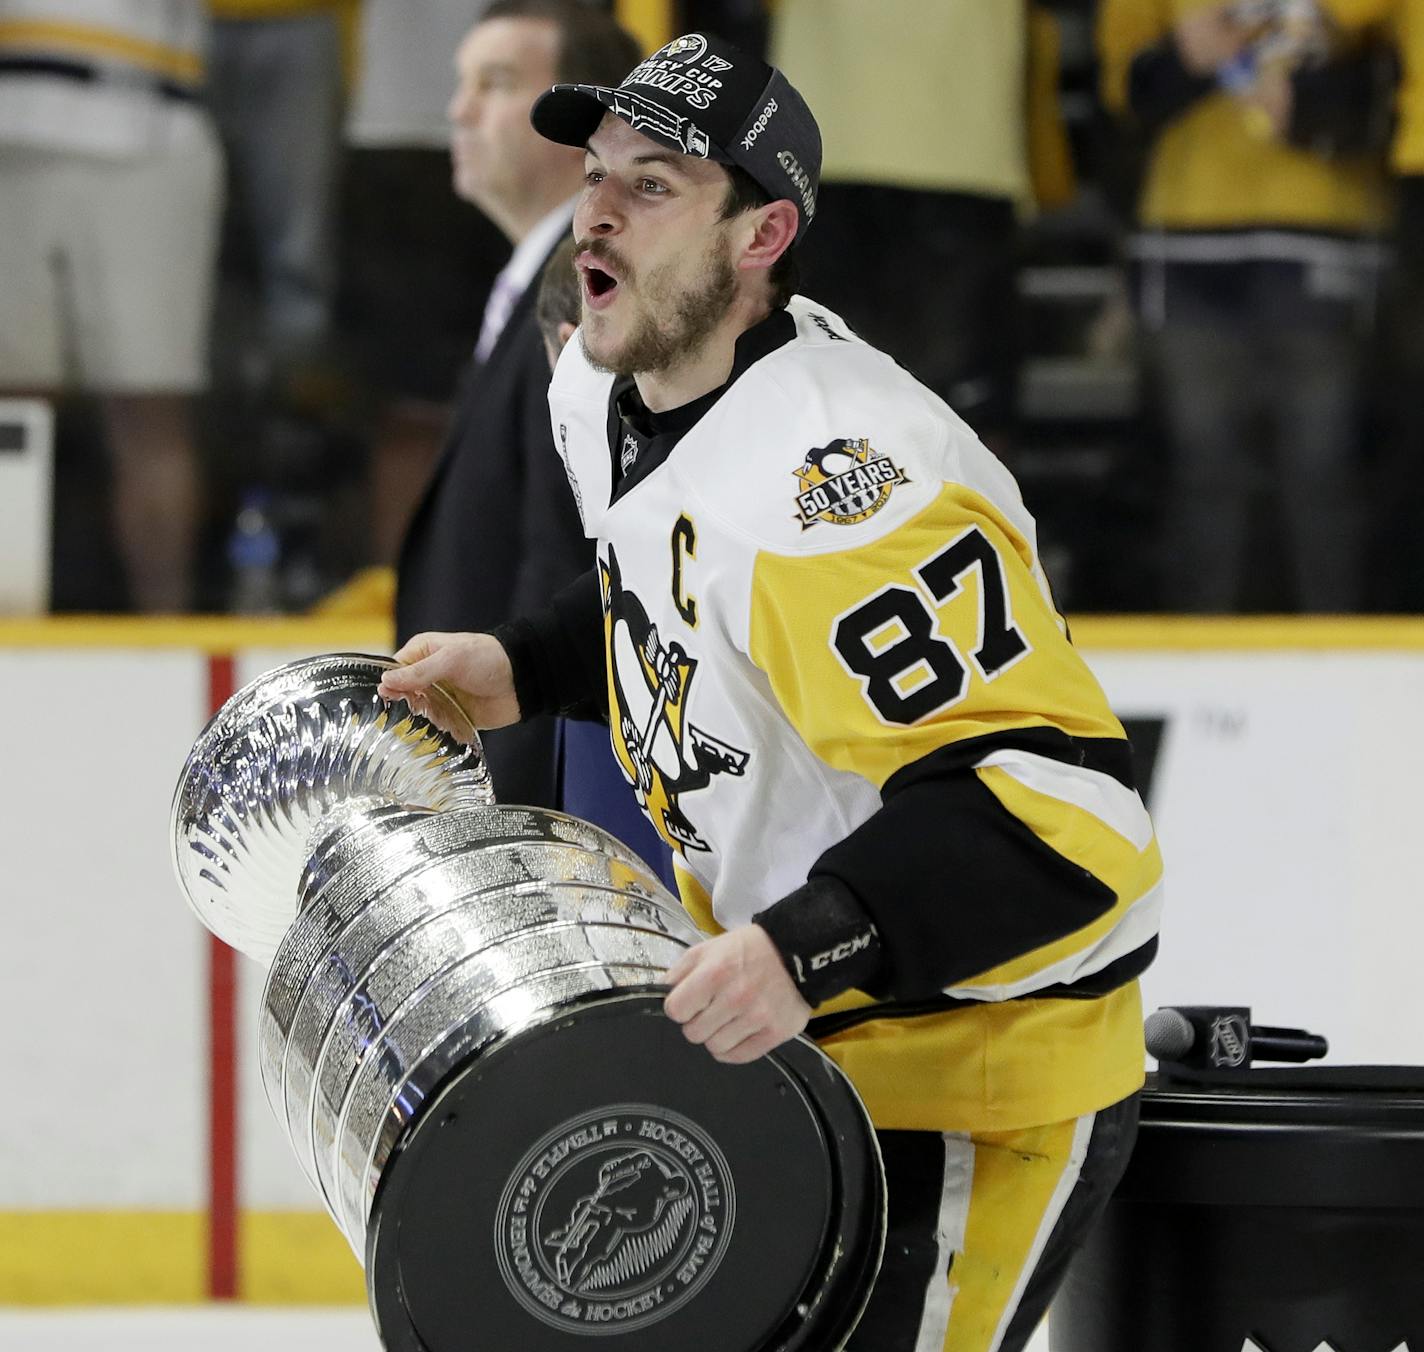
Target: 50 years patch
{"points": [[844, 482], [614, 1219]]}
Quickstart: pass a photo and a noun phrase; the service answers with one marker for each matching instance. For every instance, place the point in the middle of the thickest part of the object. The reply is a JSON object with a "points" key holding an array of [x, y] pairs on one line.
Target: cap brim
{"points": [[570, 114]]}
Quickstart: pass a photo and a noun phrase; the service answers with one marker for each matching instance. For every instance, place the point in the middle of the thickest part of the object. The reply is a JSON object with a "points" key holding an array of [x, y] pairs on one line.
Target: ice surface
{"points": [[237, 1328]]}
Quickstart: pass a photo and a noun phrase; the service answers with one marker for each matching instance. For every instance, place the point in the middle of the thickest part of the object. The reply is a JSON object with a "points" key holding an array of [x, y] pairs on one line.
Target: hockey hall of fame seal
{"points": [[614, 1219]]}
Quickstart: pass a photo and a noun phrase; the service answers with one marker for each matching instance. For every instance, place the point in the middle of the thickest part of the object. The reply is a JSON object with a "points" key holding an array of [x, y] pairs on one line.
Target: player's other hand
{"points": [[473, 668], [734, 996]]}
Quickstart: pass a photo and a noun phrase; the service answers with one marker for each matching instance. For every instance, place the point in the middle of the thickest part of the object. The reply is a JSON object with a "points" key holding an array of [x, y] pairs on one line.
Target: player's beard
{"points": [[672, 318]]}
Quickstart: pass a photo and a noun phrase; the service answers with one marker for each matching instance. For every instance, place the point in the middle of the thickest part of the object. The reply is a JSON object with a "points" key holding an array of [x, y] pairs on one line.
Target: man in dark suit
{"points": [[497, 531]]}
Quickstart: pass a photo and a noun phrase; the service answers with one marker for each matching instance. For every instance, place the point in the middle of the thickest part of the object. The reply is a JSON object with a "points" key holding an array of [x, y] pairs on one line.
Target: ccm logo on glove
{"points": [[847, 948]]}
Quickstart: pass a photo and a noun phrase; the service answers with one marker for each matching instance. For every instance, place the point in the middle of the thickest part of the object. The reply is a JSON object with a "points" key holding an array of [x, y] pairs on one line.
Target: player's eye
{"points": [[593, 177], [651, 186]]}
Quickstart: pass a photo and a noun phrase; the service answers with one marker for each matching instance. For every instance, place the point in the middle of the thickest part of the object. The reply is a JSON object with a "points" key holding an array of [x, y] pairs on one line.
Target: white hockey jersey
{"points": [[827, 580]]}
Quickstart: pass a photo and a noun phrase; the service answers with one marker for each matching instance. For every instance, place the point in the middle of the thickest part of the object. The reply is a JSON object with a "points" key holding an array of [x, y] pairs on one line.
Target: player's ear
{"points": [[773, 230]]}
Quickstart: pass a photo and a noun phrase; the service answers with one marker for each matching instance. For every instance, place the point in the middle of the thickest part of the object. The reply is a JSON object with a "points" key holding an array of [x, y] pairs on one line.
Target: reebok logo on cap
{"points": [[759, 126]]}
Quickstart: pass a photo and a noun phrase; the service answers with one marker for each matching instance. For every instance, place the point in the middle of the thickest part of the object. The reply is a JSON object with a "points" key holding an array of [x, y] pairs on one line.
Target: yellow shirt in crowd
{"points": [[1212, 168], [956, 117]]}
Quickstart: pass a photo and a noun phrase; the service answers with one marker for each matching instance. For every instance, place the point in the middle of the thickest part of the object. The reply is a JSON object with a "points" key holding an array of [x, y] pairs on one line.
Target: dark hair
{"points": [[593, 47], [558, 300], [744, 193]]}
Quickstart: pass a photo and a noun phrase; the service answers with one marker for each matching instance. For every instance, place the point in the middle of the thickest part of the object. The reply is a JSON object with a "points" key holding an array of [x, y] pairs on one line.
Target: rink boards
{"points": [[141, 1163]]}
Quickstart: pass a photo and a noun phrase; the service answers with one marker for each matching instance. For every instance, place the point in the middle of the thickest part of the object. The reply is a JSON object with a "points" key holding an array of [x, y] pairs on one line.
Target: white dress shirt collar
{"points": [[518, 274]]}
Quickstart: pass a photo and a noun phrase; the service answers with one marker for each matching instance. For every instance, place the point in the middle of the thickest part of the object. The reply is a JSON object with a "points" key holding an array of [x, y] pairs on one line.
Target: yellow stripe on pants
{"points": [[1020, 1183]]}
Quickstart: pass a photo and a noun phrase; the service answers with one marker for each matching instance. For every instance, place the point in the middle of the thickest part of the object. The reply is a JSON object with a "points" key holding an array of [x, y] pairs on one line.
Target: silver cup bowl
{"points": [[279, 756]]}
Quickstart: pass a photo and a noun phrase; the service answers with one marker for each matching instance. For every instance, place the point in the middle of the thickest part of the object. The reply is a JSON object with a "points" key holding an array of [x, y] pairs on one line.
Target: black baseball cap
{"points": [[702, 96]]}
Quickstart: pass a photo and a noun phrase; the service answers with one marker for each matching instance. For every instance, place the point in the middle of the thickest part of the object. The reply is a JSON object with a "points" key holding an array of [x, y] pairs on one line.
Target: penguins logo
{"points": [[662, 755], [683, 50], [845, 482]]}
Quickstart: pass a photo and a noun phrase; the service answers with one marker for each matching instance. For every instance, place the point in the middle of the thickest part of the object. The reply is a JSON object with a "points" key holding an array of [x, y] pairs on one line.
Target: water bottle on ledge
{"points": [[254, 553]]}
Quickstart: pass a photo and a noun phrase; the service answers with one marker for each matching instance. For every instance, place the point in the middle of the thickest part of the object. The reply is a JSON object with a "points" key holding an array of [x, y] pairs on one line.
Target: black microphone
{"points": [[1224, 1038]]}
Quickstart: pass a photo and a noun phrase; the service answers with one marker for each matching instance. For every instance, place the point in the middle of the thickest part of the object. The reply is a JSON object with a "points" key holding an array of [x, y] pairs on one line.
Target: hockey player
{"points": [[837, 683]]}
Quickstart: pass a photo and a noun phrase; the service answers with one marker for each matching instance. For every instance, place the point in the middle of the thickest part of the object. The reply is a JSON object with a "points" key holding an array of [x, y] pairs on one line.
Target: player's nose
{"points": [[598, 211]]}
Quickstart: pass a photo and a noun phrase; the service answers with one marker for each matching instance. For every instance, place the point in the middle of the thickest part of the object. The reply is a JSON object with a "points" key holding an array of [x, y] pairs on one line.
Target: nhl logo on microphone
{"points": [[1230, 1041]]}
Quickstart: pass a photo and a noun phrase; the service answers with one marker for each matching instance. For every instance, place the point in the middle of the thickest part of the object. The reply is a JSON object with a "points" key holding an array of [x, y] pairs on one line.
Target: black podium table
{"points": [[1278, 1208]]}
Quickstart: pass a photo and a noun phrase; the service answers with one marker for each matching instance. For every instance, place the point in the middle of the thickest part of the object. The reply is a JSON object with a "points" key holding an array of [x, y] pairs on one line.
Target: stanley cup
{"points": [[435, 958]]}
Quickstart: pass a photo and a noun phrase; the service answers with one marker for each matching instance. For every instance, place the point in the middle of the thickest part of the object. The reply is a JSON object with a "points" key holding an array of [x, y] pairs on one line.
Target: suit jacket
{"points": [[497, 532]]}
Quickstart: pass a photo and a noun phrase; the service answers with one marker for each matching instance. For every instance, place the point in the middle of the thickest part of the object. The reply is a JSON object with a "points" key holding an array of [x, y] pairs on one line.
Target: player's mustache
{"points": [[602, 249]]}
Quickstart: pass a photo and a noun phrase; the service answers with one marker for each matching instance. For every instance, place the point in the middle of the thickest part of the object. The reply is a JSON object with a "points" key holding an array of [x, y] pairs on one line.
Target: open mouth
{"points": [[599, 283]]}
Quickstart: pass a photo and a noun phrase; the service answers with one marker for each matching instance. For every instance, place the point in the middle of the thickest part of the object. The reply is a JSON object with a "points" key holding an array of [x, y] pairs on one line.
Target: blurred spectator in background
{"points": [[416, 259], [1397, 543], [496, 532], [924, 111], [110, 194], [278, 72], [1402, 526], [276, 88], [1257, 260]]}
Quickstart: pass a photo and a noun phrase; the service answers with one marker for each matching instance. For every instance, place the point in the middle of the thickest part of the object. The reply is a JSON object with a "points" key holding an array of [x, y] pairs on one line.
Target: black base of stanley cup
{"points": [[598, 1182], [1283, 1209]]}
